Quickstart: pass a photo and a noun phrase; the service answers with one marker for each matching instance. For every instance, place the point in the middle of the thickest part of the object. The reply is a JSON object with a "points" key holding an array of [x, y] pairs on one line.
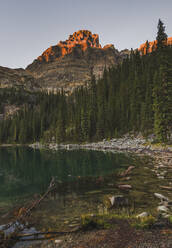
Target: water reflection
{"points": [[85, 179], [24, 171]]}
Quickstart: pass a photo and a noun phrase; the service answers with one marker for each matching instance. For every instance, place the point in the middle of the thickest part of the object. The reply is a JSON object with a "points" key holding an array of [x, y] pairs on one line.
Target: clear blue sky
{"points": [[28, 27]]}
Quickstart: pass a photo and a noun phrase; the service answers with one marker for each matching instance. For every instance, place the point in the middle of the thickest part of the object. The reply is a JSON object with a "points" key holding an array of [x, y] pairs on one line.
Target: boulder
{"points": [[118, 201]]}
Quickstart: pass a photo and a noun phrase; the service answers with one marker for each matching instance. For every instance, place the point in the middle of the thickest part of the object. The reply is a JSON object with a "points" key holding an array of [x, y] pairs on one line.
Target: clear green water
{"points": [[24, 171], [86, 178]]}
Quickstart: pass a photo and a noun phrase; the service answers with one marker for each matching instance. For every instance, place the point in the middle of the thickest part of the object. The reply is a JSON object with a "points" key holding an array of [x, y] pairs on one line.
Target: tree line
{"points": [[134, 96]]}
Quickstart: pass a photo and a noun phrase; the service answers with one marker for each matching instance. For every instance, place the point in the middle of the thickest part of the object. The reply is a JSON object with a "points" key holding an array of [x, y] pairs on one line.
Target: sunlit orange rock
{"points": [[152, 46], [83, 39], [109, 46]]}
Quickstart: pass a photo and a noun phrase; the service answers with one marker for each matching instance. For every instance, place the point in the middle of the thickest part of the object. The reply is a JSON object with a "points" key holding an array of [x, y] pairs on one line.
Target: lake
{"points": [[85, 178]]}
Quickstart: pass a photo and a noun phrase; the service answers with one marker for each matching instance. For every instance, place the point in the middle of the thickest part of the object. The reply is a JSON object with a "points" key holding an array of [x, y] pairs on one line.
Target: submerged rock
{"points": [[126, 178], [160, 177], [161, 197], [128, 171], [142, 215], [162, 209], [124, 186], [58, 241]]}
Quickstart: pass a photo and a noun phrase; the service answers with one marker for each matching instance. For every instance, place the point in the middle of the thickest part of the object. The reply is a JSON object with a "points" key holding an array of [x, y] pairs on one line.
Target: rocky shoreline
{"points": [[125, 144]]}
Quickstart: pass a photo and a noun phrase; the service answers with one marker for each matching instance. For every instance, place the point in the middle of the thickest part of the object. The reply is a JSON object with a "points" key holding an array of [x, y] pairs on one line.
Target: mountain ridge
{"points": [[68, 64]]}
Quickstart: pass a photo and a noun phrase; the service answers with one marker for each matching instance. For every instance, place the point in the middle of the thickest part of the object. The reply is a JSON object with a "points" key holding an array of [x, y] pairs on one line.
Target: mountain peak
{"points": [[85, 38], [82, 38]]}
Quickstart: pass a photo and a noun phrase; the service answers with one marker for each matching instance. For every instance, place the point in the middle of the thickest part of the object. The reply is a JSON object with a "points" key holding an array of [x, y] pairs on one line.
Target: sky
{"points": [[28, 27]]}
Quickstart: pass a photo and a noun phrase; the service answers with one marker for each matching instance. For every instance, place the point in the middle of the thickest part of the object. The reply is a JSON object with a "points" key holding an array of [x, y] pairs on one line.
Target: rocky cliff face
{"points": [[18, 78], [69, 63], [152, 46]]}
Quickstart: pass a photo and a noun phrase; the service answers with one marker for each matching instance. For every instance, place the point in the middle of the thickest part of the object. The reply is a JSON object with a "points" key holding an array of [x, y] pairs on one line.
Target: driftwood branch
{"points": [[47, 233], [35, 236], [23, 213]]}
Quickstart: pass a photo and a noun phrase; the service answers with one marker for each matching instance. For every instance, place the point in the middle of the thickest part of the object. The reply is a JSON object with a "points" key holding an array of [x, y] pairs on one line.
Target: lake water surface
{"points": [[85, 178]]}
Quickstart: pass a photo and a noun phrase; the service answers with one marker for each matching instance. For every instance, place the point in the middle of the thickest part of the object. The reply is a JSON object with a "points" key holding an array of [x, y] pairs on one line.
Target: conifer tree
{"points": [[162, 91], [147, 47], [161, 35]]}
